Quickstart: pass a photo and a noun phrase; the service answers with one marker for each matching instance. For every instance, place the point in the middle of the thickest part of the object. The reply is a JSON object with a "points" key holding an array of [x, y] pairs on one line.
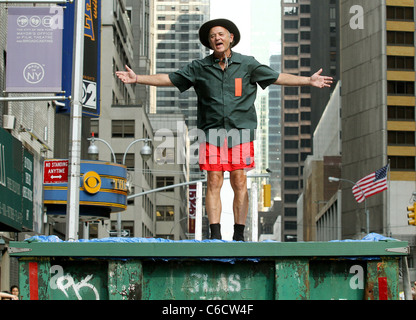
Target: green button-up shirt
{"points": [[226, 98]]}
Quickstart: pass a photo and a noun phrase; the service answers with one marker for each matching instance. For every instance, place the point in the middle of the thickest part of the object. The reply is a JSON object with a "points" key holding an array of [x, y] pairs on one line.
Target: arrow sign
{"points": [[55, 171]]}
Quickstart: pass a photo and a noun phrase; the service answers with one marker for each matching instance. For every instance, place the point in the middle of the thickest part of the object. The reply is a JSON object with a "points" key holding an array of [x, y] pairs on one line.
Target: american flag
{"points": [[370, 185]]}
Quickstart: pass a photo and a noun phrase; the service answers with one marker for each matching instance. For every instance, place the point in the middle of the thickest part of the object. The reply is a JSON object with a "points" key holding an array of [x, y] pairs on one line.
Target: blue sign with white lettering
{"points": [[92, 51]]}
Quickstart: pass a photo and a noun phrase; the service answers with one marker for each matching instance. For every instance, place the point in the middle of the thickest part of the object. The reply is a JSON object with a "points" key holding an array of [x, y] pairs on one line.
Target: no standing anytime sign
{"points": [[55, 171]]}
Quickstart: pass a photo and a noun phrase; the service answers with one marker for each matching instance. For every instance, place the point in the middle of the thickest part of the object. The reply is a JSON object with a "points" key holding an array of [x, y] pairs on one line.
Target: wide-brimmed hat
{"points": [[227, 24]]}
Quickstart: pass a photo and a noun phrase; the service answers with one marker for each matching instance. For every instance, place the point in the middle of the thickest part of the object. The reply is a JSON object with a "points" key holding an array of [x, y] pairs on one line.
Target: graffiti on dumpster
{"points": [[199, 283], [64, 282]]}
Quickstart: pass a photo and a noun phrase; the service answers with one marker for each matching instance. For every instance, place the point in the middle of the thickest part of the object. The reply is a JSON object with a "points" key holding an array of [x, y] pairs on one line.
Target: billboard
{"points": [[16, 184], [34, 49], [92, 52]]}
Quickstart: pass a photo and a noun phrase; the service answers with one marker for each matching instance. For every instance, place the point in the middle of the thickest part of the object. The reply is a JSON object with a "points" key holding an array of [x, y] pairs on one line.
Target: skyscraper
{"points": [[296, 108], [378, 117], [275, 131], [177, 43]]}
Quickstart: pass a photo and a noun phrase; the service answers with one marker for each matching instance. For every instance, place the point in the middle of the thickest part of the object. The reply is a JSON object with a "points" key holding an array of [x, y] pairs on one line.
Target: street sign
{"points": [[55, 171]]}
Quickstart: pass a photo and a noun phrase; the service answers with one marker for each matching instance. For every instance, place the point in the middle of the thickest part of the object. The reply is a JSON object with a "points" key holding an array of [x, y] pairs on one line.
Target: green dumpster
{"points": [[209, 270]]}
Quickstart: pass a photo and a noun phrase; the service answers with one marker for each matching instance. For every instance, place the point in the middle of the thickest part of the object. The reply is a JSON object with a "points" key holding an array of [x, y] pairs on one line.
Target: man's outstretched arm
{"points": [[316, 80], [130, 77]]}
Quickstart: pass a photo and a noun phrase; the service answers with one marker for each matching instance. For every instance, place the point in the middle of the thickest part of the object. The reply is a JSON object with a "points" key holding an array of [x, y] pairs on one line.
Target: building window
{"points": [[291, 37], [292, 171], [401, 87], [291, 51], [291, 131], [291, 104], [122, 128], [291, 91], [402, 138], [291, 225], [290, 212], [291, 198], [165, 213], [400, 38], [400, 63], [95, 127], [165, 182], [291, 158], [401, 113], [292, 144], [400, 13], [402, 163], [129, 161], [290, 11], [291, 117], [291, 24]]}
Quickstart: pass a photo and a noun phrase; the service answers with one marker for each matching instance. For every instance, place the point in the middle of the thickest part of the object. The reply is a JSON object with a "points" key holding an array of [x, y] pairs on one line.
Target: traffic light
{"points": [[411, 214], [267, 195]]}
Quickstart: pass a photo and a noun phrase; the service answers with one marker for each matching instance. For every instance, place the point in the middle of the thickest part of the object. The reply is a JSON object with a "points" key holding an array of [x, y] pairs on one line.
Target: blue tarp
{"points": [[369, 237]]}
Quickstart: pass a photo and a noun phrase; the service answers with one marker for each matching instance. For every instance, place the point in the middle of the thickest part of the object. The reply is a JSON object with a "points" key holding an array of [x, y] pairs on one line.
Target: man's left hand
{"points": [[319, 81]]}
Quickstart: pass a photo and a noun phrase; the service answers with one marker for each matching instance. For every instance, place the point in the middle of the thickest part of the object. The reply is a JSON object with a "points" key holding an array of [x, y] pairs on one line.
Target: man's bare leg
{"points": [[238, 180], [215, 181]]}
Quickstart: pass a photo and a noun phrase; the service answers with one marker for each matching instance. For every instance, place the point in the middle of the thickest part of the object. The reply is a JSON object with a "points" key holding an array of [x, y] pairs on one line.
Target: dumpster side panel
{"points": [[34, 279], [207, 280], [292, 279], [78, 279], [337, 279], [382, 279], [125, 280]]}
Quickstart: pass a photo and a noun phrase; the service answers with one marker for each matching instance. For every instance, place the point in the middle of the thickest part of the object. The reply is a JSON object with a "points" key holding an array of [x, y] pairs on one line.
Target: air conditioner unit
{"points": [[9, 122]]}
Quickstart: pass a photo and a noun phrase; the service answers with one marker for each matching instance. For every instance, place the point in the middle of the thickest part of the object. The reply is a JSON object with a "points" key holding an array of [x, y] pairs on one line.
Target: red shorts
{"points": [[213, 158]]}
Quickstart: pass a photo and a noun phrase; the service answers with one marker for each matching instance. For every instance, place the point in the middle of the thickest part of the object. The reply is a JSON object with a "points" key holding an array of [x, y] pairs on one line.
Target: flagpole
{"points": [[388, 199]]}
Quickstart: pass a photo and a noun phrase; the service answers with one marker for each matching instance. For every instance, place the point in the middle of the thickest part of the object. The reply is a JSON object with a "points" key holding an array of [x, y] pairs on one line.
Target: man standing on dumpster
{"points": [[226, 85]]}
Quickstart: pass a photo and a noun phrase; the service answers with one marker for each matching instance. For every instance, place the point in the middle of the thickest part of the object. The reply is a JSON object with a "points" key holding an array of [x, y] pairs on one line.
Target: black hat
{"points": [[227, 24]]}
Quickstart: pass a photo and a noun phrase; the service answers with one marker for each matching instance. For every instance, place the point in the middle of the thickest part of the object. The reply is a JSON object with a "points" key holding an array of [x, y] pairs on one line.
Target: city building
{"points": [[177, 43], [378, 112], [31, 131], [317, 219], [123, 118], [275, 132], [296, 109], [171, 168]]}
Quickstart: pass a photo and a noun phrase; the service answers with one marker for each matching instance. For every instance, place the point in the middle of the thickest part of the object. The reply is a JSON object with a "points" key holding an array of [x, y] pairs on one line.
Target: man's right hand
{"points": [[127, 77]]}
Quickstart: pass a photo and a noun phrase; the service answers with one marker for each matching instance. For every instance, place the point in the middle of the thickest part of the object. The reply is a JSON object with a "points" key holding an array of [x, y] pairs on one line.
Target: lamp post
{"points": [[333, 179], [93, 149], [145, 152], [74, 163]]}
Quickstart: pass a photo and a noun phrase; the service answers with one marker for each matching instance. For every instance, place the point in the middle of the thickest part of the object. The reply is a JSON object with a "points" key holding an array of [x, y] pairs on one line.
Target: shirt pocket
{"points": [[238, 87]]}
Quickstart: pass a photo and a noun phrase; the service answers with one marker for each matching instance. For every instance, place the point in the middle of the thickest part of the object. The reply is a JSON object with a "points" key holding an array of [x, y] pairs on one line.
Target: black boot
{"points": [[215, 231], [238, 232]]}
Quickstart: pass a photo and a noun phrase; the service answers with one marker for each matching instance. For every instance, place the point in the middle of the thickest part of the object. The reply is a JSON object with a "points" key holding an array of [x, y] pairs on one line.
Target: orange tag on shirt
{"points": [[238, 87]]}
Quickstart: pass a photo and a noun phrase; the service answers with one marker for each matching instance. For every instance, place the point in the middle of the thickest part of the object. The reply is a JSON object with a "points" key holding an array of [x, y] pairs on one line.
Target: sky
{"points": [[258, 22], [259, 25], [239, 12]]}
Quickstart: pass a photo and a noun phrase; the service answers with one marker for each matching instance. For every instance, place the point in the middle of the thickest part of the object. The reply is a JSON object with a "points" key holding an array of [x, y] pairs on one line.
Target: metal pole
{"points": [[407, 287], [367, 213], [51, 98], [198, 215], [74, 165], [130, 145], [182, 185], [108, 145], [36, 1], [254, 213]]}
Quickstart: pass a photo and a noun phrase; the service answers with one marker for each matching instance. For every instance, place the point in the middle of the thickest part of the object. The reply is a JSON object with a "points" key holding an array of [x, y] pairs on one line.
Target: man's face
{"points": [[220, 39]]}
